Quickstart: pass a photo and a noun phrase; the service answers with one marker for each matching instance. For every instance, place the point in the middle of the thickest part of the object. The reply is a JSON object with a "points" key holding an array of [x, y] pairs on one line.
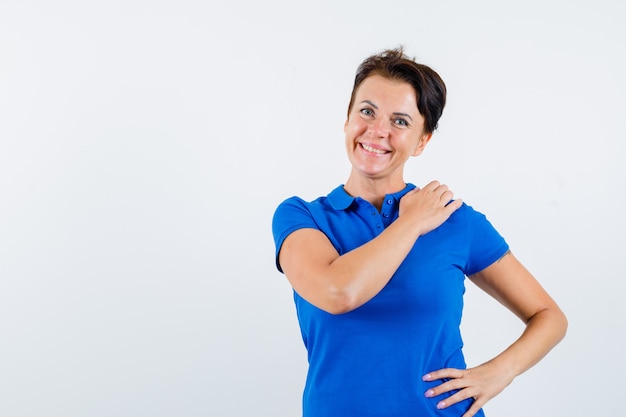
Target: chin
{"points": [[370, 173]]}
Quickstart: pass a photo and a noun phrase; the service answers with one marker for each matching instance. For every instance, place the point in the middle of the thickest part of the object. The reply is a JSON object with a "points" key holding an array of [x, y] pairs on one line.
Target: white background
{"points": [[144, 146]]}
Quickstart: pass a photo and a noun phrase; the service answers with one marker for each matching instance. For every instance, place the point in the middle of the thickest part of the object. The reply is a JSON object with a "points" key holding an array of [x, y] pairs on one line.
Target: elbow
{"points": [[564, 324], [553, 320], [340, 301], [560, 323]]}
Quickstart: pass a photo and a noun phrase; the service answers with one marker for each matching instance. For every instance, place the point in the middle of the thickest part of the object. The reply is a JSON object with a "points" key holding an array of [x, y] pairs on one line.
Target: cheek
{"points": [[353, 129]]}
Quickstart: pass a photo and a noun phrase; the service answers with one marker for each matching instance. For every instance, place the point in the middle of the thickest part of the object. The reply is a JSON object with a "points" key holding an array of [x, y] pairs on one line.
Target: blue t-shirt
{"points": [[370, 361]]}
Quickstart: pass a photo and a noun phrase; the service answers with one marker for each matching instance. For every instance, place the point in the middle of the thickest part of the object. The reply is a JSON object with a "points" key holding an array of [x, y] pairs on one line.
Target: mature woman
{"points": [[378, 268]]}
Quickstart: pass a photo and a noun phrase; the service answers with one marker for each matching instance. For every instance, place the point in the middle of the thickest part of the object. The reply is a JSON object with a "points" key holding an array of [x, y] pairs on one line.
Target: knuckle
{"points": [[455, 384]]}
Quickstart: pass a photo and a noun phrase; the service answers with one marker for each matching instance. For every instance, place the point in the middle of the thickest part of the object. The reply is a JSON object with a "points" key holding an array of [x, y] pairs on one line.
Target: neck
{"points": [[373, 190]]}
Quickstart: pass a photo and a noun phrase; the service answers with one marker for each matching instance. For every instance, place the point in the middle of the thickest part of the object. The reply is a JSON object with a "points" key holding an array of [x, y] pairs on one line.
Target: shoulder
{"points": [[337, 199], [292, 203], [297, 205], [466, 215], [472, 223], [295, 213], [485, 243], [290, 209]]}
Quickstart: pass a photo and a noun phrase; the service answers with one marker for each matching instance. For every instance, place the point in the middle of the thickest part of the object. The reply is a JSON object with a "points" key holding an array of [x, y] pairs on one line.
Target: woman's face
{"points": [[384, 128]]}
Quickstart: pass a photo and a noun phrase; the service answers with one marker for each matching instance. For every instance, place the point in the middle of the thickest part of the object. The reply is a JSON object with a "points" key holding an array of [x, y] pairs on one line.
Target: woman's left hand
{"points": [[482, 383]]}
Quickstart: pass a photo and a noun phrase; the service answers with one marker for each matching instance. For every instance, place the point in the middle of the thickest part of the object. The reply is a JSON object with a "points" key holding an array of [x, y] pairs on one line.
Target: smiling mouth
{"points": [[373, 150]]}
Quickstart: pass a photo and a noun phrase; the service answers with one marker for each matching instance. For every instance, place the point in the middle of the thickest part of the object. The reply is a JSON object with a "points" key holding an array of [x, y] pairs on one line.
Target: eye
{"points": [[366, 111], [401, 122]]}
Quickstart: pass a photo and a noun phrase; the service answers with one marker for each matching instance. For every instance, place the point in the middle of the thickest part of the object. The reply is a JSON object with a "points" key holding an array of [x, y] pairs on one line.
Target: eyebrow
{"points": [[395, 113]]}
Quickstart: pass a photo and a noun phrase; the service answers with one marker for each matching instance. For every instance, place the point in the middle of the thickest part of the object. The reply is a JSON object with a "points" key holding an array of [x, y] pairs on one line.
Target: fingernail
{"points": [[441, 405], [429, 393], [426, 377]]}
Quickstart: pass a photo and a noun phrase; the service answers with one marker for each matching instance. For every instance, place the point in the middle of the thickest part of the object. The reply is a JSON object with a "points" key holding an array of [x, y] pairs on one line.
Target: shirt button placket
{"points": [[379, 226], [385, 212]]}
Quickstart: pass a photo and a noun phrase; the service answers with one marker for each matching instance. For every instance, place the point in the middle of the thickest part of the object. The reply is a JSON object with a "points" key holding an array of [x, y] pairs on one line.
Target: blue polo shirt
{"points": [[370, 361]]}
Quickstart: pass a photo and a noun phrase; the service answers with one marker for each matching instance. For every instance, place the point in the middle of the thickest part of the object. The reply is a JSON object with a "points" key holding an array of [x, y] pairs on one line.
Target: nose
{"points": [[379, 128]]}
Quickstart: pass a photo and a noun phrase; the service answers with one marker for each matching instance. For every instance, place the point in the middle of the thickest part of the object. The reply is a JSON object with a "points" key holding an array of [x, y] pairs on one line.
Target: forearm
{"points": [[543, 331], [357, 276]]}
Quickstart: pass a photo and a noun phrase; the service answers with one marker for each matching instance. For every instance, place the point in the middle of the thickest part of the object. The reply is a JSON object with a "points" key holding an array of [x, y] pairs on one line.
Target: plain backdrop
{"points": [[144, 146]]}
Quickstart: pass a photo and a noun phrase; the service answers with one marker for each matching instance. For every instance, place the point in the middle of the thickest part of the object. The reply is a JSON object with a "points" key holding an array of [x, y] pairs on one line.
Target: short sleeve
{"points": [[486, 245], [291, 215]]}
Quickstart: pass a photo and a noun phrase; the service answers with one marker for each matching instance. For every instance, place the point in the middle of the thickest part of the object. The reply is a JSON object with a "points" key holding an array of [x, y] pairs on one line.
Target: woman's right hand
{"points": [[427, 208]]}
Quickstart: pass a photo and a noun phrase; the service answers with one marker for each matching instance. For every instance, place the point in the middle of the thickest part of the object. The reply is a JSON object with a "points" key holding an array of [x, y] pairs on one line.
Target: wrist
{"points": [[411, 224], [506, 366]]}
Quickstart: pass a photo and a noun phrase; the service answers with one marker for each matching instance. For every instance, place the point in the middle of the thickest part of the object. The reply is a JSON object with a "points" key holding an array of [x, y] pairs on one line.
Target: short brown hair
{"points": [[393, 64]]}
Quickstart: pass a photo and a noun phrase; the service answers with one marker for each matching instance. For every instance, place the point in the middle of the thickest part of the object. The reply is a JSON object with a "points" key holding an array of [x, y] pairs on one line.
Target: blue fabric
{"points": [[370, 361]]}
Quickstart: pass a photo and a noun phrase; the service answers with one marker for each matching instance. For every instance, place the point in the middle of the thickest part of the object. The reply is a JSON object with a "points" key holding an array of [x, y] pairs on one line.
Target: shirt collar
{"points": [[340, 200], [397, 196]]}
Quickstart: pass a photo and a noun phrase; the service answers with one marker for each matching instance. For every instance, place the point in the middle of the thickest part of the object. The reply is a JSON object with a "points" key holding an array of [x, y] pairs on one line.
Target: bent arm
{"points": [[509, 282], [338, 284], [512, 285]]}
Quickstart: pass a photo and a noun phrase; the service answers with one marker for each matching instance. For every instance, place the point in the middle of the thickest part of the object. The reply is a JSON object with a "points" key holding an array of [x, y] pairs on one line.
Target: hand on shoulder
{"points": [[427, 208]]}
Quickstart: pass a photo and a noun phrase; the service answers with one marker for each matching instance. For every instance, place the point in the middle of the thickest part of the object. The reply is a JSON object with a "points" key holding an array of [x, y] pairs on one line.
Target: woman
{"points": [[378, 268]]}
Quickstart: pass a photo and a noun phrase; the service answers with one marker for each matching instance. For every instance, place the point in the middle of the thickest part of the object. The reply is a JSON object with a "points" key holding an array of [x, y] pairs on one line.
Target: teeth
{"points": [[374, 150]]}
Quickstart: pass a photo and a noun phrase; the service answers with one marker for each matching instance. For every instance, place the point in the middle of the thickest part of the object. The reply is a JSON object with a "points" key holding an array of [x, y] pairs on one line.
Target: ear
{"points": [[419, 148]]}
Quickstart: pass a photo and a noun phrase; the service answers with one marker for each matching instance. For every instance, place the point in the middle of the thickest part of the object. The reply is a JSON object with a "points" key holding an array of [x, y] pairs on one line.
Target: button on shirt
{"points": [[370, 361]]}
